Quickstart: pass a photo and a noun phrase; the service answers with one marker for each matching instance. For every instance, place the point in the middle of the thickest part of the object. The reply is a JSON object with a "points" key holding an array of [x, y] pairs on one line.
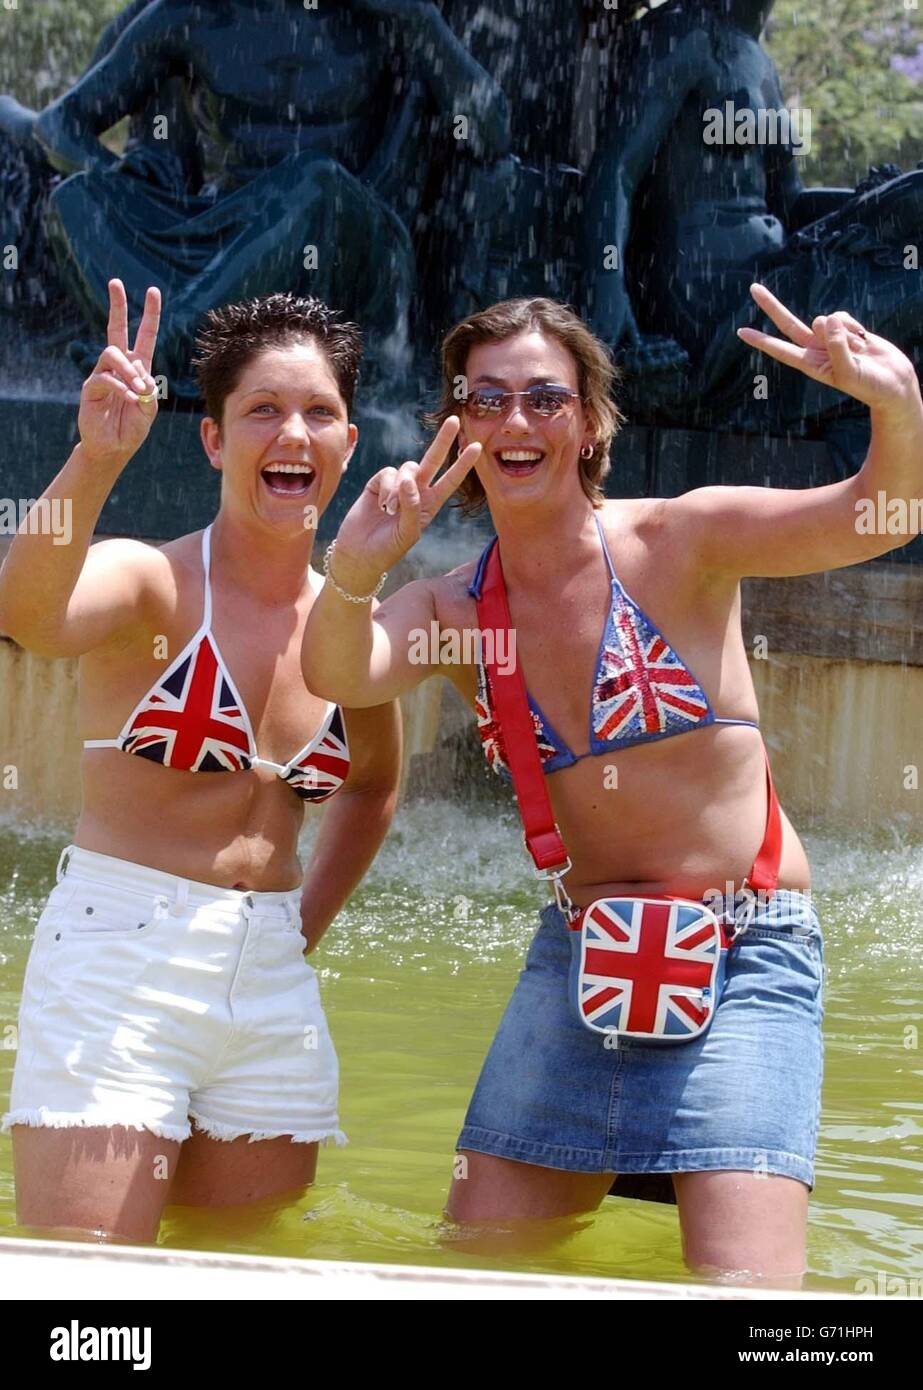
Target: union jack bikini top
{"points": [[642, 691], [194, 719]]}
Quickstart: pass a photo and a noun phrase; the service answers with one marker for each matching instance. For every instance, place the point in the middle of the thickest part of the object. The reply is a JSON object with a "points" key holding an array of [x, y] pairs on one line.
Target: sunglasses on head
{"points": [[487, 402]]}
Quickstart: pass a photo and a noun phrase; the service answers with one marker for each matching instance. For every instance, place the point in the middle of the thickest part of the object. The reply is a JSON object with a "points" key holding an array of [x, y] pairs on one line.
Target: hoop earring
{"points": [[587, 451]]}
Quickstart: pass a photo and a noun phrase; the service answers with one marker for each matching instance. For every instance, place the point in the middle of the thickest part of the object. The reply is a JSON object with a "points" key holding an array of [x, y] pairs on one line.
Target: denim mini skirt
{"points": [[744, 1096]]}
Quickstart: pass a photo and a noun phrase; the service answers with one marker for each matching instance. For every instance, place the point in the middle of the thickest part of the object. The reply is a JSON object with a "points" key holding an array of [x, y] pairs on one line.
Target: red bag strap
{"points": [[765, 872], [511, 707]]}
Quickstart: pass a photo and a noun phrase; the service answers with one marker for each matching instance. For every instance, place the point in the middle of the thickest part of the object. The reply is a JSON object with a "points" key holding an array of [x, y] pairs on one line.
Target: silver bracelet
{"points": [[350, 598]]}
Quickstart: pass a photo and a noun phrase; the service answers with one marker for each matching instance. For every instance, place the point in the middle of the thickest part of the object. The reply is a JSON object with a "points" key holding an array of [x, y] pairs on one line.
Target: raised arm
{"points": [[352, 653], [772, 532], [57, 599], [148, 52]]}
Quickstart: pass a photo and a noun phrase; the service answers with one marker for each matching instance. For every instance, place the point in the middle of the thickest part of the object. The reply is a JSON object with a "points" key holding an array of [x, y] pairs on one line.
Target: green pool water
{"points": [[415, 974]]}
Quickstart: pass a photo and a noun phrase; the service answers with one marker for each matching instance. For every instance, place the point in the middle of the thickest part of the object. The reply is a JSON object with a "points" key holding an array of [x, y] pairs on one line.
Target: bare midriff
{"points": [[684, 815], [232, 829]]}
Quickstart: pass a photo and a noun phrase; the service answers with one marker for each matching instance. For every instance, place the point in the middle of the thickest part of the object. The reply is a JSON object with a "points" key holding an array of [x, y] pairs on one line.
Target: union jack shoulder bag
{"points": [[650, 968]]}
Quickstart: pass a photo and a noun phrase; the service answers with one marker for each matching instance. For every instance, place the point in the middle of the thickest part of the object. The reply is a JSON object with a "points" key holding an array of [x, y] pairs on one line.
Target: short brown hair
{"points": [[232, 336], [597, 375]]}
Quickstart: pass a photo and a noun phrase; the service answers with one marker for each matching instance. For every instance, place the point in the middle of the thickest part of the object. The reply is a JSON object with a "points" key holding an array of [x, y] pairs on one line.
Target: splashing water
{"points": [[415, 974]]}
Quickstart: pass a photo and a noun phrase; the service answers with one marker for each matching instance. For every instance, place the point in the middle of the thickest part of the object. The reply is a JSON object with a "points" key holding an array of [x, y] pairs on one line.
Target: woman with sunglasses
{"points": [[615, 603], [172, 1043]]}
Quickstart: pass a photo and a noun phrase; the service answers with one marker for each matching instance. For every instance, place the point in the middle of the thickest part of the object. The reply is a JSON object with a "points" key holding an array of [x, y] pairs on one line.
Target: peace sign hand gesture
{"points": [[395, 508], [838, 351], [118, 402]]}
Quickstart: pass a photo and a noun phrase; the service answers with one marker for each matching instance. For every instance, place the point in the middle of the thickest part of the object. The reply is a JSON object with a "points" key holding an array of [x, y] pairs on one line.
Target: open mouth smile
{"points": [[519, 463], [288, 479]]}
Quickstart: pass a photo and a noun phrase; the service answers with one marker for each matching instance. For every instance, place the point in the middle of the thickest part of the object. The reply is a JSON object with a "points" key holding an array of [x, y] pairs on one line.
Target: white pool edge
{"points": [[72, 1271]]}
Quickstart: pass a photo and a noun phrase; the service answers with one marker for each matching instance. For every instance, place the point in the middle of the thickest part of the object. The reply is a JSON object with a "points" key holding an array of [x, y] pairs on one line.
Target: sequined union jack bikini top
{"points": [[194, 719], [642, 691]]}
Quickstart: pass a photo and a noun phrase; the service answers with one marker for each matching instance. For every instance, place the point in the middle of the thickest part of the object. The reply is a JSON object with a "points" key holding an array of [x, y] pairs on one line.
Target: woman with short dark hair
{"points": [[168, 1011]]}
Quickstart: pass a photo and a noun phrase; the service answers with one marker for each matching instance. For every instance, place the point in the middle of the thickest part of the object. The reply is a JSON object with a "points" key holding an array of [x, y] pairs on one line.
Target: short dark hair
{"points": [[232, 336]]}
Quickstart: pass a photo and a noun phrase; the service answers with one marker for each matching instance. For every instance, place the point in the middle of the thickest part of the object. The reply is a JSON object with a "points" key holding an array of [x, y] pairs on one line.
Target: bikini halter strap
{"points": [[206, 568], [602, 536]]}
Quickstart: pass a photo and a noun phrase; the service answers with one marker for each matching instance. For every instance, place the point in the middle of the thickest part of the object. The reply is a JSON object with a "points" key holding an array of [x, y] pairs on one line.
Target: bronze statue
{"points": [[510, 227], [305, 122], [278, 146], [676, 228]]}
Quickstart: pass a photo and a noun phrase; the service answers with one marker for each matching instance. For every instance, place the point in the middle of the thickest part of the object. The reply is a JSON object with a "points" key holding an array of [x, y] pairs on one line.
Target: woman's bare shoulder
{"points": [[155, 556], [161, 568], [641, 516], [453, 602]]}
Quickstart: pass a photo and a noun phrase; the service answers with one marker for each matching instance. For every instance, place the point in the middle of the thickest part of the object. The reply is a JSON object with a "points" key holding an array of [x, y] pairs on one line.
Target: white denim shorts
{"points": [[151, 1000]]}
